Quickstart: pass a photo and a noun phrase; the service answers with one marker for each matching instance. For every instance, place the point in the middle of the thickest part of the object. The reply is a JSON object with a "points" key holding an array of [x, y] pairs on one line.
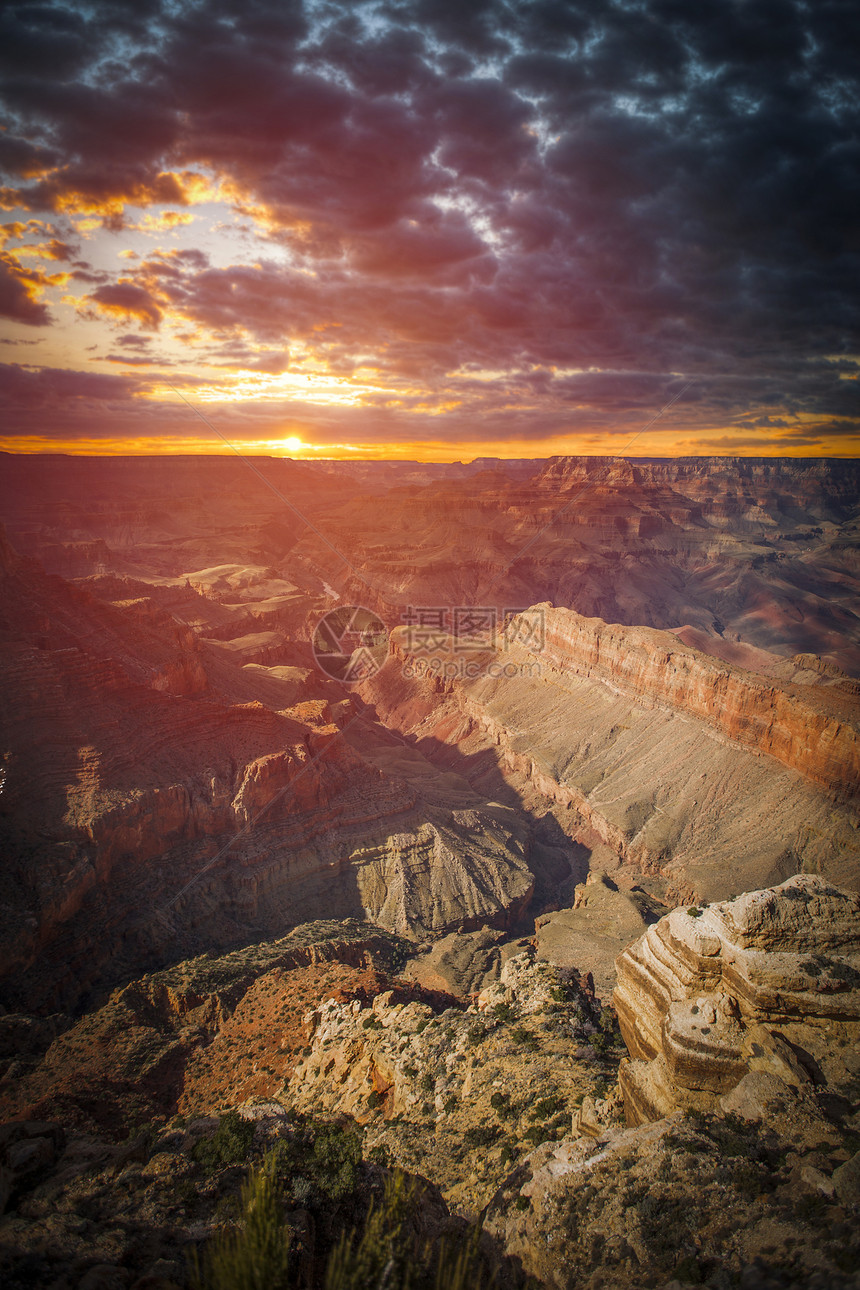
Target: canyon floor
{"points": [[395, 903]]}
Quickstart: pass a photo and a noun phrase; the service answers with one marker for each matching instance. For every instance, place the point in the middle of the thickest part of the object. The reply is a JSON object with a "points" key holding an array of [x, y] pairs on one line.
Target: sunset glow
{"points": [[410, 231]]}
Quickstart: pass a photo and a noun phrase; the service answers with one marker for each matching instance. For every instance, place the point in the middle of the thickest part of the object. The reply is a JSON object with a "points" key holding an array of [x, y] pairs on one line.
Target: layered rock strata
{"points": [[809, 731], [733, 1000], [714, 778]]}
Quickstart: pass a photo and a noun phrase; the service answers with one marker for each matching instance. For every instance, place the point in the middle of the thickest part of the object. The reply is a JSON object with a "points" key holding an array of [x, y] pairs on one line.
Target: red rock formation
{"points": [[792, 723]]}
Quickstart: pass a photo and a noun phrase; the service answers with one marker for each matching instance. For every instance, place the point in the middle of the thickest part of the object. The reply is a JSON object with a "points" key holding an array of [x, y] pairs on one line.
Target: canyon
{"points": [[617, 697]]}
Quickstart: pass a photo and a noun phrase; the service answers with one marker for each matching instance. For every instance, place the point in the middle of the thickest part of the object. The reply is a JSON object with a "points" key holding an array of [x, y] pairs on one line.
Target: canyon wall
{"points": [[654, 747], [810, 730]]}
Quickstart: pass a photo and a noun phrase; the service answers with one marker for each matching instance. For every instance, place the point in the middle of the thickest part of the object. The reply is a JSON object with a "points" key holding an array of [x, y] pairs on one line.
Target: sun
{"points": [[293, 444]]}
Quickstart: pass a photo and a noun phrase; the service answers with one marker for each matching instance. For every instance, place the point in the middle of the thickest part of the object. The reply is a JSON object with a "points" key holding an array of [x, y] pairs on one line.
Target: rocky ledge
{"points": [[731, 1004]]}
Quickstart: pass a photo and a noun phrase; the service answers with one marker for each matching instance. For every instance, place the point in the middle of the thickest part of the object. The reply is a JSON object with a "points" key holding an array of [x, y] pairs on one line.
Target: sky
{"points": [[430, 229]]}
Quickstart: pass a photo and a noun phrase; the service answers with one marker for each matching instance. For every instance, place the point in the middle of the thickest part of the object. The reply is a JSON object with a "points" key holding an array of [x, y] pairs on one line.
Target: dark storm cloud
{"points": [[18, 292], [21, 387], [652, 189]]}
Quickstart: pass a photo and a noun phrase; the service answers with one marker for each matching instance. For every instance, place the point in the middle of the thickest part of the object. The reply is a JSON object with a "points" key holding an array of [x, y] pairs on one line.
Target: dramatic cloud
{"points": [[124, 300], [505, 219]]}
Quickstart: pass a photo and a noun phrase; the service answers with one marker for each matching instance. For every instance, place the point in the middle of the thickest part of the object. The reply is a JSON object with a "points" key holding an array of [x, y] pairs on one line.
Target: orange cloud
{"points": [[124, 299], [21, 289]]}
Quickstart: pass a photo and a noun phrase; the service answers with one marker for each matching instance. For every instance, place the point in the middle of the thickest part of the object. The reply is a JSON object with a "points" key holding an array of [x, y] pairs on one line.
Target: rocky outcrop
{"points": [[28, 1149], [435, 1079], [798, 727], [723, 1004], [579, 722], [228, 1028]]}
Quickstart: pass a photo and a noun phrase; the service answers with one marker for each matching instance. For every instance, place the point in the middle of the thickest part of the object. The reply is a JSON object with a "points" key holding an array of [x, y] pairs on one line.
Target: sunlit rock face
{"points": [[710, 777], [716, 1003], [801, 727]]}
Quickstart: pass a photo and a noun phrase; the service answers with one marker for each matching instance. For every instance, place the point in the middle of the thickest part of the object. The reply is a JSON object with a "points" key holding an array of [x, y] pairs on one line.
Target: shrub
{"points": [[520, 1035], [380, 1254], [254, 1256], [229, 1145], [326, 1158], [481, 1135], [336, 1159], [547, 1107], [536, 1134], [388, 1254]]}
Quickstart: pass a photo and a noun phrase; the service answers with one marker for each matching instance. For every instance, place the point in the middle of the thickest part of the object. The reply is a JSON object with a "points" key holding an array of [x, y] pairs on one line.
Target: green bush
{"points": [[255, 1255], [336, 1160], [229, 1145], [504, 1012], [547, 1107], [481, 1135], [520, 1035], [326, 1157]]}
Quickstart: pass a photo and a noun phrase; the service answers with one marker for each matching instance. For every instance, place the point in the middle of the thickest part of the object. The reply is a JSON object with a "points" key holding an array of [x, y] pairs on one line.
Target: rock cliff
{"points": [[721, 1005], [713, 778], [814, 732]]}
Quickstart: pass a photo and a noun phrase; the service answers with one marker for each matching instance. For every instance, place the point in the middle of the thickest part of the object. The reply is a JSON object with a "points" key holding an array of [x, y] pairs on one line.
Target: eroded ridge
{"points": [[766, 985]]}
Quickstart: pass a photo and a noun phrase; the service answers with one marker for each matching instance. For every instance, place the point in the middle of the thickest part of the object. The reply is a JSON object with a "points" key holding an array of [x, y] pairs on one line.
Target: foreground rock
{"points": [[711, 1200], [208, 1032], [506, 1102], [461, 1092], [732, 1004]]}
